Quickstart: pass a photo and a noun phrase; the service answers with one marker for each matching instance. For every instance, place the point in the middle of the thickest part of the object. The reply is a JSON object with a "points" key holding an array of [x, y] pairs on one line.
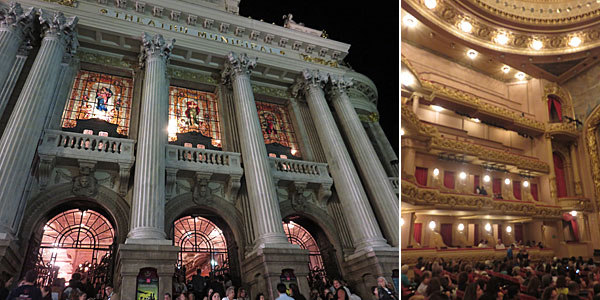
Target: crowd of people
{"points": [[513, 277]]}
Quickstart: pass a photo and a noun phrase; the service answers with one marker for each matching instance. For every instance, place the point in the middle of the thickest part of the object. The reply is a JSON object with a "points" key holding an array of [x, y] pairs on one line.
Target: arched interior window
{"points": [[554, 109], [194, 118], [278, 131], [298, 235], [100, 104]]}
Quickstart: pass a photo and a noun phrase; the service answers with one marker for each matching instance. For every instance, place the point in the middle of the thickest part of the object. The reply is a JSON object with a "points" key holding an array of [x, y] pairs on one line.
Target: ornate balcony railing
{"points": [[565, 130], [298, 176], [575, 203]]}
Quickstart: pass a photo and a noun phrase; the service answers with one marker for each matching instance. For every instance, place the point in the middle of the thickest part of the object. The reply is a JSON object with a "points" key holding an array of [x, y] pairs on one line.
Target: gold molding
{"points": [[591, 138], [553, 88]]}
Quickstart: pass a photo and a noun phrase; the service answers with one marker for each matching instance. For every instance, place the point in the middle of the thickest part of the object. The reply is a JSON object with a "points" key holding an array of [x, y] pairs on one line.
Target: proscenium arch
{"points": [[590, 130]]}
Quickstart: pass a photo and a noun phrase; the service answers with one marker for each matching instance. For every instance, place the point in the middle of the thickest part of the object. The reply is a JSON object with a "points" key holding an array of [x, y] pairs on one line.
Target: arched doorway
{"points": [[298, 235], [203, 247], [76, 241]]}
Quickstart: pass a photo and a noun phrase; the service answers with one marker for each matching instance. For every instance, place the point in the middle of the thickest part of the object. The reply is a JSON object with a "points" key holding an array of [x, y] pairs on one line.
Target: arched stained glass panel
{"points": [[194, 111], [298, 235]]}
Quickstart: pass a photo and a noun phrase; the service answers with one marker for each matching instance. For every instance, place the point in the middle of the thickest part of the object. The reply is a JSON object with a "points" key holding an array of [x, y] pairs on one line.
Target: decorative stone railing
{"points": [[432, 197], [298, 176], [410, 255], [87, 150], [204, 166], [575, 203], [395, 184], [567, 129]]}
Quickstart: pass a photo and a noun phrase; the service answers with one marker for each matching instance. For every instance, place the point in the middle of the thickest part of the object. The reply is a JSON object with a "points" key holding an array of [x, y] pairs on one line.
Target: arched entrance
{"points": [[76, 241], [203, 247], [297, 235]]}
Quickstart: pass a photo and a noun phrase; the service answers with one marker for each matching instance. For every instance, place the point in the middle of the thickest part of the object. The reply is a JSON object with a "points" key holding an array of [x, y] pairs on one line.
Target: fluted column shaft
{"points": [[551, 174], [576, 177], [386, 150], [147, 214], [24, 128], [15, 26], [360, 218], [259, 180], [383, 198]]}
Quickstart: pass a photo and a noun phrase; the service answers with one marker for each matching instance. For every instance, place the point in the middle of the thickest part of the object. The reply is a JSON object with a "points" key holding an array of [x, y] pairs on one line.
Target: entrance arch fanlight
{"points": [[298, 235]]}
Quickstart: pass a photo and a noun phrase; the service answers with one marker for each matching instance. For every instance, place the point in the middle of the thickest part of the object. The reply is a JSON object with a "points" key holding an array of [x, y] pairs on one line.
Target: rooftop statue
{"points": [[291, 24]]}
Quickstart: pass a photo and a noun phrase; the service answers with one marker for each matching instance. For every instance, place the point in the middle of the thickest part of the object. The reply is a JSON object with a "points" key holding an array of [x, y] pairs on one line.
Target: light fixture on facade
{"points": [[432, 225], [431, 4], [409, 21], [507, 181], [574, 213], [294, 151], [437, 108], [461, 227], [488, 227], [520, 75], [505, 69], [472, 53], [462, 175], [508, 229], [501, 38], [486, 178], [575, 41], [537, 44], [526, 183], [465, 26], [436, 172]]}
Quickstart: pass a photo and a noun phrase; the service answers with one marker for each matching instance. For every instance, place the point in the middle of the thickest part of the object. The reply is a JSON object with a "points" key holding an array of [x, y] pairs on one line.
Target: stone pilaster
{"points": [[15, 33], [389, 159], [384, 201], [24, 128], [147, 214], [576, 177], [551, 174], [364, 229], [259, 181]]}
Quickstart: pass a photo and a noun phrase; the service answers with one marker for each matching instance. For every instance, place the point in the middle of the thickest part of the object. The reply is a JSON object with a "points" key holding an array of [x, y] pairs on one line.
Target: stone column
{"points": [[384, 201], [364, 229], [415, 102], [18, 144], [389, 159], [259, 181], [576, 178], [15, 32], [147, 213], [551, 174]]}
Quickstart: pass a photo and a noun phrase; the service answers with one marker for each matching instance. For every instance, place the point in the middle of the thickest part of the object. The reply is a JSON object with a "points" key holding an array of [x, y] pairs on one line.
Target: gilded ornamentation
{"points": [[100, 59], [591, 137], [71, 3], [564, 95], [564, 127]]}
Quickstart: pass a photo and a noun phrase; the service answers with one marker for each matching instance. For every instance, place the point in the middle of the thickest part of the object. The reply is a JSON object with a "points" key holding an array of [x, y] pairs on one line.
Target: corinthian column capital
{"points": [[308, 79], [236, 65], [60, 27], [339, 84], [15, 16], [155, 46]]}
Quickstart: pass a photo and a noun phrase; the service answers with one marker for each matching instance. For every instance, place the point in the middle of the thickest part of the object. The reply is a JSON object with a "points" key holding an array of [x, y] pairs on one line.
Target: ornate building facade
{"points": [[164, 138], [499, 119]]}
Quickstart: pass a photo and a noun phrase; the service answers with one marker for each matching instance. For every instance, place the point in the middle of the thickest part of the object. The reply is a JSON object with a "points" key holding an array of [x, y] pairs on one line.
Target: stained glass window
{"points": [[101, 97], [298, 235], [277, 129], [193, 111]]}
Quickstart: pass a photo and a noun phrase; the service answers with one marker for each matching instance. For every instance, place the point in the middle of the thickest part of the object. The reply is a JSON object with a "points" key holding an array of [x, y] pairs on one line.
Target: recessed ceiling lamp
{"points": [[472, 53], [506, 69], [575, 41], [409, 21], [431, 4], [537, 45], [407, 79], [520, 76], [465, 26], [501, 38], [437, 108]]}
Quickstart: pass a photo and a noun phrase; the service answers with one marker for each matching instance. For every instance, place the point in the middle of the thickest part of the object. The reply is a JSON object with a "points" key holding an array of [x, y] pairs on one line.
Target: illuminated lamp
{"points": [[505, 69], [525, 183], [575, 41], [501, 38], [461, 227], [431, 4], [432, 225], [437, 108], [462, 175], [465, 26], [537, 45], [508, 229], [409, 21], [436, 172], [488, 227], [506, 181], [486, 178]]}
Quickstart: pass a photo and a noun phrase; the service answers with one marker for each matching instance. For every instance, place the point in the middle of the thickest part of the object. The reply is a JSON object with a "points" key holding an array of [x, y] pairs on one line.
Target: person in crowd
{"points": [[342, 294], [533, 287], [110, 293], [375, 292], [463, 280], [422, 289], [168, 296], [27, 289], [260, 296], [229, 293], [281, 290], [561, 285], [182, 296], [191, 296], [492, 290], [513, 292], [385, 292], [573, 293], [198, 284], [472, 292], [5, 283], [404, 276], [499, 245], [296, 292], [550, 293], [314, 294], [47, 293], [327, 294], [209, 292], [242, 295], [481, 244], [482, 191], [215, 296], [179, 287]]}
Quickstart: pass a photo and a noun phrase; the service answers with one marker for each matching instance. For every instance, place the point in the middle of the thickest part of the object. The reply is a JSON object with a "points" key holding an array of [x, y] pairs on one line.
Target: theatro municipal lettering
{"points": [[191, 31]]}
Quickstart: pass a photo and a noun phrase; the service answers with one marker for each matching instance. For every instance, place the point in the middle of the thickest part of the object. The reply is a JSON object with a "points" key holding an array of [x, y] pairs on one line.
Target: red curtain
{"points": [[534, 191], [476, 235], [475, 183], [449, 179], [561, 185], [518, 232], [417, 232], [421, 176], [446, 232], [552, 102], [497, 186], [517, 189], [569, 218]]}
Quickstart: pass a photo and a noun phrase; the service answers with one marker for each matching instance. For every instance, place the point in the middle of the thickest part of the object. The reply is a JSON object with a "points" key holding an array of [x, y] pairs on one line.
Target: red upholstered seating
{"points": [[527, 297]]}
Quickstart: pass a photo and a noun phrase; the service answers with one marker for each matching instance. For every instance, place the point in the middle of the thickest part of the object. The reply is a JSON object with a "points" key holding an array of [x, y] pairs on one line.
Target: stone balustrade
{"points": [[298, 175]]}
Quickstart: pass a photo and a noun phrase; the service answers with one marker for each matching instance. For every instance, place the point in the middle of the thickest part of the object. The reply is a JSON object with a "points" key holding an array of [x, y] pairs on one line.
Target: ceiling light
{"points": [[537, 45], [437, 108], [506, 181], [436, 172], [465, 26], [431, 4], [508, 229], [520, 75], [407, 79], [475, 120], [401, 131], [432, 225], [488, 227], [461, 227], [409, 21], [506, 69], [472, 53], [575, 41], [486, 178], [462, 175], [574, 213], [501, 38], [525, 183]]}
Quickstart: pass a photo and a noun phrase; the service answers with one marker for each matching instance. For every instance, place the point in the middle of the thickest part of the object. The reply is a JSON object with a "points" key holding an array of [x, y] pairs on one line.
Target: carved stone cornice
{"points": [[271, 91], [155, 47], [237, 65], [308, 79], [191, 76], [105, 60], [60, 27], [339, 84], [14, 17]]}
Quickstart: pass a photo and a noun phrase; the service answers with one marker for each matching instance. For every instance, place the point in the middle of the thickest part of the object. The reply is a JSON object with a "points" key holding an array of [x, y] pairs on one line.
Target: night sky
{"points": [[370, 29]]}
